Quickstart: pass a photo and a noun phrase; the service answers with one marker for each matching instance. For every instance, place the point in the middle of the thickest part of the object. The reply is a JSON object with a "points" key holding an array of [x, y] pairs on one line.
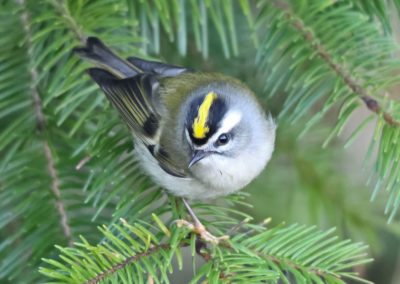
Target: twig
{"points": [[128, 261], [208, 256], [82, 162], [364, 95], [238, 226], [41, 126], [150, 279], [263, 223], [55, 188], [61, 7]]}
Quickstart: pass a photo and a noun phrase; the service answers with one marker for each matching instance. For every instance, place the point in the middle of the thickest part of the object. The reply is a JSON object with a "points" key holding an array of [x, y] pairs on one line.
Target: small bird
{"points": [[198, 135]]}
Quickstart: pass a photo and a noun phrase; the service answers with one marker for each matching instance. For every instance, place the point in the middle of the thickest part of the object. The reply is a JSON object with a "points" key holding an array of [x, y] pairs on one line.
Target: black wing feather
{"points": [[155, 67], [133, 99], [132, 87], [97, 52]]}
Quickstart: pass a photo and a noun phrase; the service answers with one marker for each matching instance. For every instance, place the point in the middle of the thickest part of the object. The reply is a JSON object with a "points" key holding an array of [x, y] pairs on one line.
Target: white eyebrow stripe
{"points": [[231, 119]]}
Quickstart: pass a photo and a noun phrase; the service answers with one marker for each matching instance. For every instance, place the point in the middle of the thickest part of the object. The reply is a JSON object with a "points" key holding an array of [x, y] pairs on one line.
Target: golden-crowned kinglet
{"points": [[199, 135]]}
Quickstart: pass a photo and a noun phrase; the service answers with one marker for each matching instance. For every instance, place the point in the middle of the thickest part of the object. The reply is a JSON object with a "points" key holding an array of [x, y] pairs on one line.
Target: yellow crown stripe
{"points": [[200, 128]]}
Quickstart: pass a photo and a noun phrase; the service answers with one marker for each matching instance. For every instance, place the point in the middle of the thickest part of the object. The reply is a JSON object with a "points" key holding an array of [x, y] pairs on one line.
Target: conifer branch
{"points": [[40, 121], [128, 261], [280, 260], [349, 80], [242, 248], [83, 162], [55, 188], [62, 9]]}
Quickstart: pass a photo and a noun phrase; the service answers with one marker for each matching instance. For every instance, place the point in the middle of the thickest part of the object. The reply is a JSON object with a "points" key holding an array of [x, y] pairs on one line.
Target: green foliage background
{"points": [[322, 68]]}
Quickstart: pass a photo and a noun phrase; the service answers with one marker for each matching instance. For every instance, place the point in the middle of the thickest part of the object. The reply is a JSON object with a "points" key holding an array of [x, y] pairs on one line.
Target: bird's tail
{"points": [[97, 52]]}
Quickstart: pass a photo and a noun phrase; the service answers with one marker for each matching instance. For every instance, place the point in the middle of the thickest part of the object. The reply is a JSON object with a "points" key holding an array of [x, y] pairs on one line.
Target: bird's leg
{"points": [[198, 228]]}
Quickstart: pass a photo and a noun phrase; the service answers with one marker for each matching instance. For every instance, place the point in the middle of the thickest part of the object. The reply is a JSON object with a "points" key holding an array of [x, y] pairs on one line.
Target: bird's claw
{"points": [[201, 231]]}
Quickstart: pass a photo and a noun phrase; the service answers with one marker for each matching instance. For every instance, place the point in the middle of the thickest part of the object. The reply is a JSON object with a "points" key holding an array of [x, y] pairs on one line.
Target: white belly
{"points": [[185, 187]]}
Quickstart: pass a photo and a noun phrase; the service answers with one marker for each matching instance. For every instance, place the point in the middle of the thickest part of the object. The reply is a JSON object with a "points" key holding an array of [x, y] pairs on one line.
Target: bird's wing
{"points": [[155, 67], [132, 97], [98, 53]]}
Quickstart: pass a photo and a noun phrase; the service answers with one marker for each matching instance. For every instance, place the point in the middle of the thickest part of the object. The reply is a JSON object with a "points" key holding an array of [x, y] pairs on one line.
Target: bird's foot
{"points": [[202, 232]]}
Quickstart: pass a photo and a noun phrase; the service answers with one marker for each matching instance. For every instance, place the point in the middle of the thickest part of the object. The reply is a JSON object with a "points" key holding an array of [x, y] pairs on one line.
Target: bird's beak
{"points": [[197, 156]]}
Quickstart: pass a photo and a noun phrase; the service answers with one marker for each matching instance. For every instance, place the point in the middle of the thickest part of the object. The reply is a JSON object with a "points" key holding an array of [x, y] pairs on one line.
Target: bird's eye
{"points": [[223, 139]]}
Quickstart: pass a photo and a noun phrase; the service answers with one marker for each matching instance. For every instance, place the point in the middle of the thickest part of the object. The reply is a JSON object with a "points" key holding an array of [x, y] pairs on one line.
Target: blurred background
{"points": [[304, 183]]}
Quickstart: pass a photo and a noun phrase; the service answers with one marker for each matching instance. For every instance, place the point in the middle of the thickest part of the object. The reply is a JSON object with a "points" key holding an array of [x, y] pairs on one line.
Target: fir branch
{"points": [[128, 261], [55, 188], [208, 256], [33, 72], [62, 9], [351, 82], [268, 253], [41, 126], [83, 162], [278, 261]]}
